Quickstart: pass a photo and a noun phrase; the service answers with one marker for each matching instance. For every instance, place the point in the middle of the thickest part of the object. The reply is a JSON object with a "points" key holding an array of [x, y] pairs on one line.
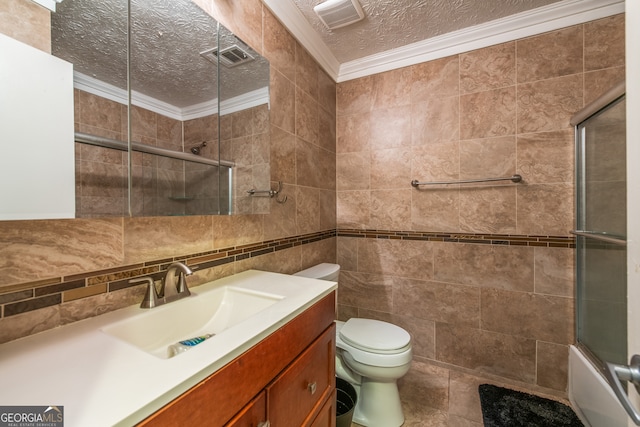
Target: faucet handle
{"points": [[150, 299], [182, 285]]}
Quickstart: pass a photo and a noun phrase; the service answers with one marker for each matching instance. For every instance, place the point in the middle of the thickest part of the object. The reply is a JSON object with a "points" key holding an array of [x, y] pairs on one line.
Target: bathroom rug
{"points": [[502, 407]]}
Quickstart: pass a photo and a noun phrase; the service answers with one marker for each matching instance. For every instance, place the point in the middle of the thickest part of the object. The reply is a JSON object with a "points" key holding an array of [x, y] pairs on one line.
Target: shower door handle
{"points": [[631, 373]]}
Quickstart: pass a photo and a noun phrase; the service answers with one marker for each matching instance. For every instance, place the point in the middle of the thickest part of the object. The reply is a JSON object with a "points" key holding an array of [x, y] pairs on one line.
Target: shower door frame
{"points": [[590, 392]]}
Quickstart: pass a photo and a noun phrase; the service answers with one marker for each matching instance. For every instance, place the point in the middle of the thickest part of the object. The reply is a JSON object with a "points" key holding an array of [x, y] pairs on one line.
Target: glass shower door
{"points": [[601, 235]]}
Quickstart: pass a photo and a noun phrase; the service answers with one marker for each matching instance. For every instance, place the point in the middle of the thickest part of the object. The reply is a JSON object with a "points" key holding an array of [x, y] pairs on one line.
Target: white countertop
{"points": [[103, 381]]}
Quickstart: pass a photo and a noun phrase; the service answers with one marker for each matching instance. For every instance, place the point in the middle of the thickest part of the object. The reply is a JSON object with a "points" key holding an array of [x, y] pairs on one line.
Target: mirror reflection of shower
{"points": [[196, 150]]}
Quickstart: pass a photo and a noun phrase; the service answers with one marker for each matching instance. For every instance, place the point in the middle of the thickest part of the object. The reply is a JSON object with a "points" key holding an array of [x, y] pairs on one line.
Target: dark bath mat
{"points": [[502, 407]]}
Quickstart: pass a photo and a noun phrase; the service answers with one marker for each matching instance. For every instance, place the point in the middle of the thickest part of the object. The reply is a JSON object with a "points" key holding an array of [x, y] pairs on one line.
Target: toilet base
{"points": [[378, 404]]}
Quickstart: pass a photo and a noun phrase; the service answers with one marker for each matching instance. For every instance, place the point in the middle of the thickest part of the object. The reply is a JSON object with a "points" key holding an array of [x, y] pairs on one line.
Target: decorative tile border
{"points": [[43, 293], [34, 295], [487, 239]]}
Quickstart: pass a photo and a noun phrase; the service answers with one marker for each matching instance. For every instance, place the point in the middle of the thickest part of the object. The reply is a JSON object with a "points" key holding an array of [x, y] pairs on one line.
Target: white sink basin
{"points": [[210, 312]]}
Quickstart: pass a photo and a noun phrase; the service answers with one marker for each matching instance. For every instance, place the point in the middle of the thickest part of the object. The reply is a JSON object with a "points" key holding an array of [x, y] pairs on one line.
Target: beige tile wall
{"points": [[302, 154], [502, 312], [475, 311]]}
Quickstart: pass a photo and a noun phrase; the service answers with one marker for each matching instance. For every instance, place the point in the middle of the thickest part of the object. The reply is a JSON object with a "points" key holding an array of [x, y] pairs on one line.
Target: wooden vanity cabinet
{"points": [[287, 379]]}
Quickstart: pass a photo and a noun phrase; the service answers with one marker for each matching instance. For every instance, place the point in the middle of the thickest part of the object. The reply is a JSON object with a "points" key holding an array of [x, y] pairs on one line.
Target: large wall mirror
{"points": [[171, 110]]}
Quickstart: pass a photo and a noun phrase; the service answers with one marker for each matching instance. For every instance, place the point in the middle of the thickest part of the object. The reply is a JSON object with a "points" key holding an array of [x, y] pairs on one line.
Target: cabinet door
{"points": [[327, 415], [252, 415], [297, 395]]}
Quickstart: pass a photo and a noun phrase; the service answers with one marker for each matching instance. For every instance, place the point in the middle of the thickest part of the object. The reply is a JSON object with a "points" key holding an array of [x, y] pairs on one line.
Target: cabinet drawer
{"points": [[252, 415], [299, 391]]}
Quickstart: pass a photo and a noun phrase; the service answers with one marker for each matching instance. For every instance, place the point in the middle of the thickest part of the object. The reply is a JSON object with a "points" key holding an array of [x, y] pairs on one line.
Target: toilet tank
{"points": [[324, 271]]}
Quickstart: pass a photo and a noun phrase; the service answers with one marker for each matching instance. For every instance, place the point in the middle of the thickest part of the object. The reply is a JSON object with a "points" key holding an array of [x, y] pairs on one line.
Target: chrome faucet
{"points": [[179, 288], [170, 290]]}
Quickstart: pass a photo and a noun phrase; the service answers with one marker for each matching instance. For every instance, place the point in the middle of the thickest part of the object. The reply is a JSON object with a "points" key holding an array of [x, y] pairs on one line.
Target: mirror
{"points": [[178, 124]]}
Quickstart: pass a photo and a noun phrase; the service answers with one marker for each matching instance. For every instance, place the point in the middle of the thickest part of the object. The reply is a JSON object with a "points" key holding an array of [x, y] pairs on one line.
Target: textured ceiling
{"points": [[167, 38], [390, 24]]}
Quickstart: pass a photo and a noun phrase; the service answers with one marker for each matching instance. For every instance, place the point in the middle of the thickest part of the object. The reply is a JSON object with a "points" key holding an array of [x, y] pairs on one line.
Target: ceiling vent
{"points": [[230, 57], [339, 13]]}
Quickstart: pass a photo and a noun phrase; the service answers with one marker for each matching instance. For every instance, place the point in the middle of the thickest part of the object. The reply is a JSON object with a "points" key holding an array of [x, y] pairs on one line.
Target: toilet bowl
{"points": [[371, 355]]}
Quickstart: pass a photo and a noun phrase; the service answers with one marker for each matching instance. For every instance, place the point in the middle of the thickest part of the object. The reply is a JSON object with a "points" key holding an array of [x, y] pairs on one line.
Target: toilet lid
{"points": [[374, 335]]}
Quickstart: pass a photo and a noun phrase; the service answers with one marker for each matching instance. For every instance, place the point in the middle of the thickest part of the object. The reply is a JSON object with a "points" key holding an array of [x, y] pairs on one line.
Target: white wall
{"points": [[633, 177]]}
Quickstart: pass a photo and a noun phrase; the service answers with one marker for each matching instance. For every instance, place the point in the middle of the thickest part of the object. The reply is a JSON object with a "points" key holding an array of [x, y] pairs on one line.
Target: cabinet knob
{"points": [[312, 387], [264, 424]]}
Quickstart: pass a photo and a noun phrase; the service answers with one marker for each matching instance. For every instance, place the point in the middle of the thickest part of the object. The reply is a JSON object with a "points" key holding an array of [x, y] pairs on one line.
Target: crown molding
{"points": [[536, 21], [49, 4], [245, 101], [525, 24], [113, 93], [288, 13]]}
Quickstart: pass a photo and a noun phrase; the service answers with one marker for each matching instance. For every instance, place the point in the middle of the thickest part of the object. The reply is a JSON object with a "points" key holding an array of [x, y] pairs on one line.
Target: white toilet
{"points": [[372, 356]]}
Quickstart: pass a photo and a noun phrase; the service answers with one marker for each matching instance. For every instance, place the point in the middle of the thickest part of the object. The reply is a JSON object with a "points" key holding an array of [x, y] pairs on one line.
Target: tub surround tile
{"points": [[528, 315], [327, 93], [488, 68], [545, 208], [354, 96], [411, 259], [307, 118], [327, 209], [554, 272], [491, 157], [436, 161], [282, 155], [604, 43], [436, 210], [307, 72], [500, 267], [486, 352], [307, 209], [392, 88], [438, 302], [435, 120], [369, 291], [347, 253], [282, 99], [553, 54], [387, 168], [598, 82], [390, 209], [353, 208], [548, 105], [282, 218], [478, 121], [279, 46], [327, 130], [547, 157], [553, 370], [352, 133], [489, 209], [435, 79], [390, 127], [353, 171]]}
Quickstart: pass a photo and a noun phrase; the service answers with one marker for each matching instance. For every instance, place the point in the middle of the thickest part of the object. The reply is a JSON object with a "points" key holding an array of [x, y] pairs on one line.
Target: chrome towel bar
{"points": [[513, 178], [269, 193]]}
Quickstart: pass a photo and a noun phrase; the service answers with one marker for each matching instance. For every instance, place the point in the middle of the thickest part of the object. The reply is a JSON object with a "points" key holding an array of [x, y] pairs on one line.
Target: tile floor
{"points": [[436, 396]]}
